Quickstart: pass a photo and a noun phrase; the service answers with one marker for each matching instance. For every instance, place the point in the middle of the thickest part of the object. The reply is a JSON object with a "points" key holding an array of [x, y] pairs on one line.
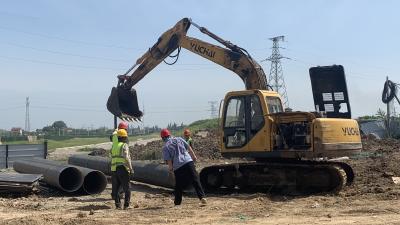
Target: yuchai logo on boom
{"points": [[202, 50]]}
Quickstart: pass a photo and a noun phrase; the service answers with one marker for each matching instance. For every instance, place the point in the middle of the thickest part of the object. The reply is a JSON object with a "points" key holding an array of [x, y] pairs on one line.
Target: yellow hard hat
{"points": [[122, 133]]}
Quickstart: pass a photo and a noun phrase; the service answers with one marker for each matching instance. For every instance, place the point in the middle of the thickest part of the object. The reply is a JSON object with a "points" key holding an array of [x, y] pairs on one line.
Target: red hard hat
{"points": [[165, 133], [123, 125]]}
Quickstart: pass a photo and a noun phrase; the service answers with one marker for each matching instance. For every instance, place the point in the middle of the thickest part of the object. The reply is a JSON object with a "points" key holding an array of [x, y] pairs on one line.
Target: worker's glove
{"points": [[115, 132], [131, 173]]}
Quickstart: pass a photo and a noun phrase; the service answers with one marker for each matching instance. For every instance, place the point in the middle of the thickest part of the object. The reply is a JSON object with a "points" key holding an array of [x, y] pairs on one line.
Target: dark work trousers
{"points": [[184, 176], [120, 178]]}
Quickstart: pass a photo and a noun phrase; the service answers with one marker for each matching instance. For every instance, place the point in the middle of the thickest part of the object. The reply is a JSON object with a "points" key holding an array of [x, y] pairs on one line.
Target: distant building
{"points": [[17, 131]]}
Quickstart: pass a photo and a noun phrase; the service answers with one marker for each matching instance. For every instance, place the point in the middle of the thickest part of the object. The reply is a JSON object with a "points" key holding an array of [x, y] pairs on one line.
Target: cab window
{"points": [[274, 105], [234, 125], [235, 114]]}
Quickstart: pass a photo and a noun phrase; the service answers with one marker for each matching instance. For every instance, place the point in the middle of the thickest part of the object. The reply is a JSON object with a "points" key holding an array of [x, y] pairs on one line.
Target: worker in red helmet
{"points": [[180, 159], [187, 135], [123, 125]]}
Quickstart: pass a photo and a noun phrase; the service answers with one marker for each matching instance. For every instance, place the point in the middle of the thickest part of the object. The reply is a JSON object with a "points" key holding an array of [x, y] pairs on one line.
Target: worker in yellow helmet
{"points": [[121, 167]]}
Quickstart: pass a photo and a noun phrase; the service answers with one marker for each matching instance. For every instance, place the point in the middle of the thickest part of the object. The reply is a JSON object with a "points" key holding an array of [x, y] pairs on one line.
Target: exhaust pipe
{"points": [[64, 177], [144, 171]]}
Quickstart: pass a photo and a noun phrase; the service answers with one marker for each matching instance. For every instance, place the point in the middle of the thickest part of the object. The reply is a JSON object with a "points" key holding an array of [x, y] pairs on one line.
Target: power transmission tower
{"points": [[276, 80], [27, 120], [213, 109]]}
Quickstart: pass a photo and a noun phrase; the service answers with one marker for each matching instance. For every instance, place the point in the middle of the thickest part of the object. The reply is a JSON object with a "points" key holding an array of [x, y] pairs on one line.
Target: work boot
{"points": [[203, 201], [117, 206], [126, 207]]}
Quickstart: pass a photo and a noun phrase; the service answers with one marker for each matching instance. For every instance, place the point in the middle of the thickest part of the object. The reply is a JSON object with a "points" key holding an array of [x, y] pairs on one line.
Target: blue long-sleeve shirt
{"points": [[176, 150]]}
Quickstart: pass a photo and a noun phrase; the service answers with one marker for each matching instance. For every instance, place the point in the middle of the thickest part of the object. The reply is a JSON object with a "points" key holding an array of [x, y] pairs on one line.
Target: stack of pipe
{"points": [[65, 177]]}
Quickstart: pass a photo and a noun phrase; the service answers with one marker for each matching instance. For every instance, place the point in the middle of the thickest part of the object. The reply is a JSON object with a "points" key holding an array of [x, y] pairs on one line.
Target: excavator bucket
{"points": [[123, 103]]}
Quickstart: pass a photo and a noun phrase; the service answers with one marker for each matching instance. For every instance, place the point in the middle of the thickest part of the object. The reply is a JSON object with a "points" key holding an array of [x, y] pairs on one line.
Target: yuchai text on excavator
{"points": [[284, 146]]}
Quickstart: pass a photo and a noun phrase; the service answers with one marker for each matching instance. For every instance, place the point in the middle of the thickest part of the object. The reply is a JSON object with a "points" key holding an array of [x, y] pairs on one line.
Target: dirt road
{"points": [[372, 199], [62, 154], [155, 206]]}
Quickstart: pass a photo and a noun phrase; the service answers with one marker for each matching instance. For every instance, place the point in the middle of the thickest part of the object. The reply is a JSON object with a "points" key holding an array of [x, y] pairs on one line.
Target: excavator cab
{"points": [[123, 103]]}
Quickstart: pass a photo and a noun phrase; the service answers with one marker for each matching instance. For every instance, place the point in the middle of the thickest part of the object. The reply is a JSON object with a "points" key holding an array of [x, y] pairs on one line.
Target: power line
{"points": [[93, 67], [12, 107], [54, 63], [68, 40], [351, 61], [348, 74], [66, 53]]}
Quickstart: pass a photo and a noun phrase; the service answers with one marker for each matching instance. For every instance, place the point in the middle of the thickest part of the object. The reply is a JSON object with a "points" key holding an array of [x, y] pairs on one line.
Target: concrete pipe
{"points": [[64, 177]]}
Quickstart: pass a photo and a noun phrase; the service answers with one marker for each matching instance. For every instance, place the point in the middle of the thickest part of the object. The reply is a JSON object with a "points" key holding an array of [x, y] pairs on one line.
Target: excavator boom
{"points": [[123, 99]]}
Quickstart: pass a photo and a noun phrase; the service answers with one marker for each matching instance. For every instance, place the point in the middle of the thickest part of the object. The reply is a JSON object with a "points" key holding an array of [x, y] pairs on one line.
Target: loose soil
{"points": [[372, 199]]}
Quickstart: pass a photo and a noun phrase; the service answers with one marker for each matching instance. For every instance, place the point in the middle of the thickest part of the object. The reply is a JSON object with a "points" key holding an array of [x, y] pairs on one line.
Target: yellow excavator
{"points": [[287, 149]]}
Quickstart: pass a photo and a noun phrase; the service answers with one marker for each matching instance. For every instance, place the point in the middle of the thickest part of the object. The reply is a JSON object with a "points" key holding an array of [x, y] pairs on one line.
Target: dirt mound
{"points": [[374, 168], [205, 147]]}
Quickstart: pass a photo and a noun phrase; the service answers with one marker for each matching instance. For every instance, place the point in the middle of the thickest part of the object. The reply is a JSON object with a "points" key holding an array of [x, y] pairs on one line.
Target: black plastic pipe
{"points": [[144, 171], [64, 177], [94, 181]]}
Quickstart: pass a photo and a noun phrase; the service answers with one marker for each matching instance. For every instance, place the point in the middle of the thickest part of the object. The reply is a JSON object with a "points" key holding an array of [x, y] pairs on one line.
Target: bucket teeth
{"points": [[128, 118]]}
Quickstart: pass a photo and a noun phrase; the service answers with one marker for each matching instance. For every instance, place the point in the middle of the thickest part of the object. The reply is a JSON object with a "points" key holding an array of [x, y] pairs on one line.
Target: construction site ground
{"points": [[372, 199]]}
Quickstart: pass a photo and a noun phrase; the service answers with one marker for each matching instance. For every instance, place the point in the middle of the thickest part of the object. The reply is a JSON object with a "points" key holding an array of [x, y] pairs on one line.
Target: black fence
{"points": [[10, 153]]}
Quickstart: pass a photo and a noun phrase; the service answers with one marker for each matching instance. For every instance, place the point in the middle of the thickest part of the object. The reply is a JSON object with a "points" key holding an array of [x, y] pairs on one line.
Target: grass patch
{"points": [[53, 144]]}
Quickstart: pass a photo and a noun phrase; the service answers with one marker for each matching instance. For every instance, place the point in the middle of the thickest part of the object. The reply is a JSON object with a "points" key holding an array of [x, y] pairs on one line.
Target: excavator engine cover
{"points": [[123, 103]]}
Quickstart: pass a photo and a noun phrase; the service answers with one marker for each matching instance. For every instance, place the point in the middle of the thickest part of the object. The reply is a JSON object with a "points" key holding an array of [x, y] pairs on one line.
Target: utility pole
{"points": [[27, 120], [388, 113], [213, 109], [275, 79]]}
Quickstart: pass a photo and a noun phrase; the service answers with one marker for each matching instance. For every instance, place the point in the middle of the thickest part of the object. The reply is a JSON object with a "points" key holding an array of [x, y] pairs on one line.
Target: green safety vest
{"points": [[117, 158], [190, 141]]}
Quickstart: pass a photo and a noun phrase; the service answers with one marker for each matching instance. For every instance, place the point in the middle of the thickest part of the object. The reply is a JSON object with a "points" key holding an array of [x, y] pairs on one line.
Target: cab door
{"points": [[243, 119], [235, 136]]}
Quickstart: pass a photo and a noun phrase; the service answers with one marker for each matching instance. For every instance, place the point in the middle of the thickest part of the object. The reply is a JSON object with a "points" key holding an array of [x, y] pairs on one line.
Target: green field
{"points": [[53, 144], [78, 141]]}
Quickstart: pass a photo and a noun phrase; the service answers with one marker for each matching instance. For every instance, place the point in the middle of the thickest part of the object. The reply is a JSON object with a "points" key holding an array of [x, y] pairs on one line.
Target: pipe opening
{"points": [[70, 179], [94, 182]]}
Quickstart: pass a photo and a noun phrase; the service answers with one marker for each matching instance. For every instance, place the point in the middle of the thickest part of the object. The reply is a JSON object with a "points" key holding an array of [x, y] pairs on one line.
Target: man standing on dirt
{"points": [[180, 156], [188, 137], [121, 167]]}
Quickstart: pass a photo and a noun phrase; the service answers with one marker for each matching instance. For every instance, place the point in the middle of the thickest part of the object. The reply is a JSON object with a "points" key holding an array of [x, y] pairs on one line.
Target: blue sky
{"points": [[65, 55]]}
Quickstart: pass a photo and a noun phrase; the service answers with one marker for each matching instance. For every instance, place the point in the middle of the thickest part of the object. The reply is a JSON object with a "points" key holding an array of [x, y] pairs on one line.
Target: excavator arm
{"points": [[123, 99]]}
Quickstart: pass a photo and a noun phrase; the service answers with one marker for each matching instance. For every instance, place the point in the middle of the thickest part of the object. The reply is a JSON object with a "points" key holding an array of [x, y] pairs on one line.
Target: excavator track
{"points": [[296, 177]]}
